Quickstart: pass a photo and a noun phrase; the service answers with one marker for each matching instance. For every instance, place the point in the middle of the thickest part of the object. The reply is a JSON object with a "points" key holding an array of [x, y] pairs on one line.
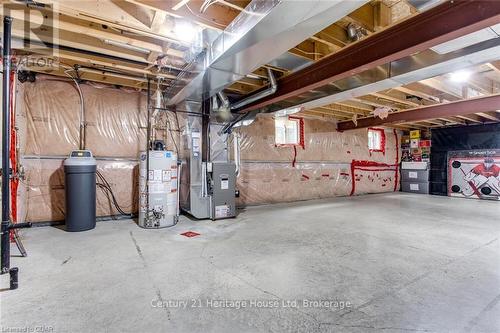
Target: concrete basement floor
{"points": [[403, 262]]}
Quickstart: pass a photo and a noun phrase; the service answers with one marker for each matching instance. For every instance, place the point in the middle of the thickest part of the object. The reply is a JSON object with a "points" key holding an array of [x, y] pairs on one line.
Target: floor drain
{"points": [[190, 234]]}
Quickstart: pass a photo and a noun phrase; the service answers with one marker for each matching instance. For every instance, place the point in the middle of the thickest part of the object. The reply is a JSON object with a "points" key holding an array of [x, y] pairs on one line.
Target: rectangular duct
{"points": [[260, 34], [464, 41]]}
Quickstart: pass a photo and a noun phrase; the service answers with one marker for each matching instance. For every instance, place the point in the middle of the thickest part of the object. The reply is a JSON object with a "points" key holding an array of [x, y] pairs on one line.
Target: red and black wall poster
{"points": [[474, 174]]}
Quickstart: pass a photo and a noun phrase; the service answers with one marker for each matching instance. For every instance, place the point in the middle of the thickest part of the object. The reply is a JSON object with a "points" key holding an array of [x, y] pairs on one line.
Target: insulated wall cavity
{"points": [[48, 118], [48, 121], [330, 164]]}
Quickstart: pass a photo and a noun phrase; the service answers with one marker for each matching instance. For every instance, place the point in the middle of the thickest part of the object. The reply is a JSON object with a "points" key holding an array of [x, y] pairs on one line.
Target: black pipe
{"points": [[191, 113], [14, 274], [5, 230], [6, 225], [106, 218], [148, 140]]}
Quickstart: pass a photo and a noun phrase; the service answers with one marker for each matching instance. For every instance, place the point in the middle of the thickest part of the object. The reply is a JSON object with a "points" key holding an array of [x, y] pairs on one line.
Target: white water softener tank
{"points": [[158, 204]]}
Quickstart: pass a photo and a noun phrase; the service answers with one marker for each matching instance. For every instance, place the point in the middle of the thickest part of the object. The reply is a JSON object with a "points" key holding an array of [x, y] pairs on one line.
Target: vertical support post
{"points": [[5, 230], [148, 143]]}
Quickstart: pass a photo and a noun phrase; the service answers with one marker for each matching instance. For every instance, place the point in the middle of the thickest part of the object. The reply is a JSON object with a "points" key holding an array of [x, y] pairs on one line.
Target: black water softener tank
{"points": [[80, 184]]}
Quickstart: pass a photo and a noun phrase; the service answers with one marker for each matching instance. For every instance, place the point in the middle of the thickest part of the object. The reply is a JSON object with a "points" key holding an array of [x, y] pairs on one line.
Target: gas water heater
{"points": [[158, 195]]}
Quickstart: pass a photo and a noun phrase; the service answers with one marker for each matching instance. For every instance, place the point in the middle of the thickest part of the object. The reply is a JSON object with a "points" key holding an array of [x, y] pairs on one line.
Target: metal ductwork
{"points": [[383, 51], [264, 93], [466, 52], [221, 108], [355, 32], [224, 100], [422, 5], [264, 31]]}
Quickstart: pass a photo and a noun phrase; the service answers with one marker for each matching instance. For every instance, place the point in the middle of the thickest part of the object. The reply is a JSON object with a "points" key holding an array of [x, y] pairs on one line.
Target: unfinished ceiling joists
{"points": [[480, 106], [406, 38]]}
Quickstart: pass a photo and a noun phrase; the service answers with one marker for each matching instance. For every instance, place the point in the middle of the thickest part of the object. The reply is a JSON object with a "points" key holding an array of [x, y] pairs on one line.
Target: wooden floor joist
{"points": [[447, 21], [465, 107]]}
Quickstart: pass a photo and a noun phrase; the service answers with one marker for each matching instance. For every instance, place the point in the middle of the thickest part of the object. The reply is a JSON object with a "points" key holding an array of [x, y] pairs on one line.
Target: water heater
{"points": [[158, 195]]}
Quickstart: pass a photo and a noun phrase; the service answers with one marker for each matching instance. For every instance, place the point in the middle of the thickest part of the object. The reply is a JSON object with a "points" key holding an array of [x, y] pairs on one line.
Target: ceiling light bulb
{"points": [[185, 31], [460, 76]]}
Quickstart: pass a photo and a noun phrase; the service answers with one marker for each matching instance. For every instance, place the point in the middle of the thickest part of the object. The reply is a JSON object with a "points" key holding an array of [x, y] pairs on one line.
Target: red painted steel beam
{"points": [[460, 108], [437, 25]]}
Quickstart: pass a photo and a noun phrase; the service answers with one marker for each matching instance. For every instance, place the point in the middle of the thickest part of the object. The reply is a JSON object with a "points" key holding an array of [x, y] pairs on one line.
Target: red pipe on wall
{"points": [[14, 182]]}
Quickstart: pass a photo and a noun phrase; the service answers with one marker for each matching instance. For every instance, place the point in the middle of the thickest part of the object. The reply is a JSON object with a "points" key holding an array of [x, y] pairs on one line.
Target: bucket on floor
{"points": [[80, 189]]}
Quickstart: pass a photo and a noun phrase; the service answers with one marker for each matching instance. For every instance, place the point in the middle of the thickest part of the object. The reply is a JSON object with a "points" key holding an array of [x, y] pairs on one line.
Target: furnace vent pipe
{"points": [[271, 90], [224, 100], [237, 156]]}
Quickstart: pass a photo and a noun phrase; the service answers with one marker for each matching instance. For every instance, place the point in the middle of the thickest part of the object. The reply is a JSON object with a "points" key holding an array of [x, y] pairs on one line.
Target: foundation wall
{"points": [[48, 112], [330, 164]]}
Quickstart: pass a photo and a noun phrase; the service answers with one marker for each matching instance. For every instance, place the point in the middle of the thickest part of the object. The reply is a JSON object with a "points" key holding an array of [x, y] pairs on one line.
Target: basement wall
{"points": [[48, 113], [330, 164], [48, 120]]}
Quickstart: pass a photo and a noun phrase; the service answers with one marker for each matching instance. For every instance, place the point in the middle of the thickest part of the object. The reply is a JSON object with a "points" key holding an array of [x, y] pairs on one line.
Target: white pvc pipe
{"points": [[179, 172], [236, 147]]}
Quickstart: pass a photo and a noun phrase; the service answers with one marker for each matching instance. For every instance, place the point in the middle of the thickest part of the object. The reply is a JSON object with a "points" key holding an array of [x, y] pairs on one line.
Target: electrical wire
{"points": [[82, 107], [106, 191], [204, 18], [227, 128], [106, 187], [207, 4]]}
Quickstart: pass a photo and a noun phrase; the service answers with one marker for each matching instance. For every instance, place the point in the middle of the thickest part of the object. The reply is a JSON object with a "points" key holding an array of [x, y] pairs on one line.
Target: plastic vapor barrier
{"points": [[48, 120], [330, 164]]}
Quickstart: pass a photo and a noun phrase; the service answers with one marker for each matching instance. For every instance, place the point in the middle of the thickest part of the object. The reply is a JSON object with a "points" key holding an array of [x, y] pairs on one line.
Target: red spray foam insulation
{"points": [[376, 166], [302, 141], [382, 141]]}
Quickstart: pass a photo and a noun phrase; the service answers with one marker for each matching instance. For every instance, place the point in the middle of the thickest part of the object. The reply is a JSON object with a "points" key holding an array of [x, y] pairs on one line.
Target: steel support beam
{"points": [[450, 20], [460, 108]]}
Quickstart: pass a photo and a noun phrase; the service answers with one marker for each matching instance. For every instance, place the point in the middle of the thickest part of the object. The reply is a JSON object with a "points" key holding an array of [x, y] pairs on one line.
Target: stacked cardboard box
{"points": [[416, 147], [416, 153]]}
